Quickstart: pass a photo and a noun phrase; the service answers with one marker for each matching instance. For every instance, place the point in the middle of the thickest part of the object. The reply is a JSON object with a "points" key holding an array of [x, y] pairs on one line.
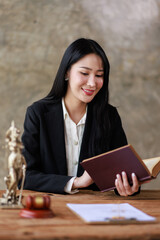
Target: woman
{"points": [[74, 122]]}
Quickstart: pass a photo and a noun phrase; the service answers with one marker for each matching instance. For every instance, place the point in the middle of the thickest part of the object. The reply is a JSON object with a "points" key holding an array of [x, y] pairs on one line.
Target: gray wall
{"points": [[34, 35]]}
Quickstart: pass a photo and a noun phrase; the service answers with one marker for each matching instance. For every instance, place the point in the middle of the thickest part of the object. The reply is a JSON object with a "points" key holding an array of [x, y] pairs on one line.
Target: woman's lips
{"points": [[88, 91]]}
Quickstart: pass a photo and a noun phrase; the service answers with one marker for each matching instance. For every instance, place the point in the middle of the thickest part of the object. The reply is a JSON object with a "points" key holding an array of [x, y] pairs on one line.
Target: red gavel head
{"points": [[38, 202]]}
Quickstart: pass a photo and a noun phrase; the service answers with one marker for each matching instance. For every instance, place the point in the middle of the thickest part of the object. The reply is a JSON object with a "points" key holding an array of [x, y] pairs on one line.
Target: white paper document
{"points": [[109, 212]]}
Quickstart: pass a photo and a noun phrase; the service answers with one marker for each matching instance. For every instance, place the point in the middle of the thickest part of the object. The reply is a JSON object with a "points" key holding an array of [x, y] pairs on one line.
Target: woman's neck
{"points": [[76, 109]]}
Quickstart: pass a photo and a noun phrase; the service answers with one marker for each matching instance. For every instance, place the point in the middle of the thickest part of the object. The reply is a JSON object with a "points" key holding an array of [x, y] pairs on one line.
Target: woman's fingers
{"points": [[123, 186], [120, 186], [135, 185], [127, 187]]}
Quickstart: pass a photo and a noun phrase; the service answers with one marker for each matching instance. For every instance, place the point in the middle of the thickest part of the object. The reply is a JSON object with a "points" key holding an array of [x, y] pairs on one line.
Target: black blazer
{"points": [[44, 145]]}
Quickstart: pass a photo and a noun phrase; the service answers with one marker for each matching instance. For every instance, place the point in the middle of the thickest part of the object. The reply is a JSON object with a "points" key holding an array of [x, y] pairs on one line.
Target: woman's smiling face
{"points": [[85, 78]]}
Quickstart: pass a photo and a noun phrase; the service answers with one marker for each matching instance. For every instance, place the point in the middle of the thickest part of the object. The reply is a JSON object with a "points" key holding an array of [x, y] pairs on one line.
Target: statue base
{"points": [[4, 203]]}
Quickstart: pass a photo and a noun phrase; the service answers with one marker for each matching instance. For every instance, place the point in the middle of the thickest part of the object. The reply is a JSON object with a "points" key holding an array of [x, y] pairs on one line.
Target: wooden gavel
{"points": [[38, 202]]}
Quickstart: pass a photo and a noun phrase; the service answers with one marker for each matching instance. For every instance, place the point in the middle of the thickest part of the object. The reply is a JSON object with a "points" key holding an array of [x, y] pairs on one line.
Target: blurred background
{"points": [[34, 35]]}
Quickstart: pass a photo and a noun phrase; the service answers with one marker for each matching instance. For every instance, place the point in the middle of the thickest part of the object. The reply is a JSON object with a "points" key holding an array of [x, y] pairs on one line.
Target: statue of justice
{"points": [[16, 169]]}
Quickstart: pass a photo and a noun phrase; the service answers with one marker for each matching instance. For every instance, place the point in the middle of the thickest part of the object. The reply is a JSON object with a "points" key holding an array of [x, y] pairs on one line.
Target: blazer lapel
{"points": [[55, 125]]}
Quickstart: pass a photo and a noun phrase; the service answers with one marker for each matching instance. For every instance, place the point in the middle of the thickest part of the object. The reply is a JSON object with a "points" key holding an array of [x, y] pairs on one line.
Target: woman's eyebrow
{"points": [[100, 70]]}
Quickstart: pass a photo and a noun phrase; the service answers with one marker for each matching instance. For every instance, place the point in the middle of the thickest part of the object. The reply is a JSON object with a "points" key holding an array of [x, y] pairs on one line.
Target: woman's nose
{"points": [[91, 81]]}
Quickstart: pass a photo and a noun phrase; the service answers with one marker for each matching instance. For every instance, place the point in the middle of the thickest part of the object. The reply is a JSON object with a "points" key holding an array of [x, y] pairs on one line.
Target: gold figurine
{"points": [[16, 169]]}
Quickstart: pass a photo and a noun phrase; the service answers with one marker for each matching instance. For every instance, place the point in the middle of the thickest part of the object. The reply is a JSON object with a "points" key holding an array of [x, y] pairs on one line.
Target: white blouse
{"points": [[73, 139]]}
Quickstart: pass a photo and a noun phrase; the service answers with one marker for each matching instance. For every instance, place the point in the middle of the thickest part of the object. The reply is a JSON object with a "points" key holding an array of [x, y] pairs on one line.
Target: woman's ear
{"points": [[67, 76]]}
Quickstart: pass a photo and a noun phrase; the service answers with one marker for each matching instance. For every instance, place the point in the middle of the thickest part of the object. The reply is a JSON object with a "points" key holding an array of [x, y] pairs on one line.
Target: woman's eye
{"points": [[83, 73], [99, 76]]}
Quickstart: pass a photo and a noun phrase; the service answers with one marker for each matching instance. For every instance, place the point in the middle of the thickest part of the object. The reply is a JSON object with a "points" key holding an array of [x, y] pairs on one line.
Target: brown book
{"points": [[104, 167]]}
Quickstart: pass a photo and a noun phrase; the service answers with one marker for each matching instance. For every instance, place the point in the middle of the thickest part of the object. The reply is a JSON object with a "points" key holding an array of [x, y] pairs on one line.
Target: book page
{"points": [[109, 212], [151, 163]]}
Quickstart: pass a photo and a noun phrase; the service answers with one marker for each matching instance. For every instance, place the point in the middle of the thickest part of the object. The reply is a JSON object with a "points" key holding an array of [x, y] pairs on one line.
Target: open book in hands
{"points": [[103, 168]]}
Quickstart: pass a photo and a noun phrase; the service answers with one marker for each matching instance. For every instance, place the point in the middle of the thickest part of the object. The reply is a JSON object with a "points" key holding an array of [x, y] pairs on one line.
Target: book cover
{"points": [[104, 167]]}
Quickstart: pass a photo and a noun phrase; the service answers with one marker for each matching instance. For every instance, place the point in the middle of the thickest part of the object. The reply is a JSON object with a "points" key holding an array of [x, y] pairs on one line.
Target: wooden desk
{"points": [[66, 225]]}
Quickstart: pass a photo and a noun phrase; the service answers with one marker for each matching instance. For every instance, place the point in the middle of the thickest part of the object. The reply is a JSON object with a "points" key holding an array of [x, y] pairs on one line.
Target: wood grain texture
{"points": [[66, 225]]}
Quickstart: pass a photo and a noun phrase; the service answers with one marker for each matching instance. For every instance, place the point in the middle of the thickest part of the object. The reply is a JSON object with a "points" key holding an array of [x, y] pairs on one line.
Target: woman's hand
{"points": [[123, 186], [84, 181]]}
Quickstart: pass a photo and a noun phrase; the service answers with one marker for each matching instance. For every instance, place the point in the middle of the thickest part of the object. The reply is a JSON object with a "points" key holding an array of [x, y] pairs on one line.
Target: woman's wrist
{"points": [[81, 182], [75, 183]]}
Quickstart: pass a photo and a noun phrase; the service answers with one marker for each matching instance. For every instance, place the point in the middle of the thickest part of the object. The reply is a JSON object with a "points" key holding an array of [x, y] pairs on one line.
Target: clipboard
{"points": [[123, 213]]}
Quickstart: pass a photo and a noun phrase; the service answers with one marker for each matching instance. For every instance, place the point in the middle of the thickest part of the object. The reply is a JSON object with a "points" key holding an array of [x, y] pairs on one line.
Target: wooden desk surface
{"points": [[66, 225]]}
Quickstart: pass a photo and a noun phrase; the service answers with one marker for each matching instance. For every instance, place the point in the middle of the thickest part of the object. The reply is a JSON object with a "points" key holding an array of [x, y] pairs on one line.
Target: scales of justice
{"points": [[16, 169]]}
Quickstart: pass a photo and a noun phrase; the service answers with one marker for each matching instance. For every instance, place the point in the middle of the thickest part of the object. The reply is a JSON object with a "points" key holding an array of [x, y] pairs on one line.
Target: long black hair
{"points": [[77, 50]]}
